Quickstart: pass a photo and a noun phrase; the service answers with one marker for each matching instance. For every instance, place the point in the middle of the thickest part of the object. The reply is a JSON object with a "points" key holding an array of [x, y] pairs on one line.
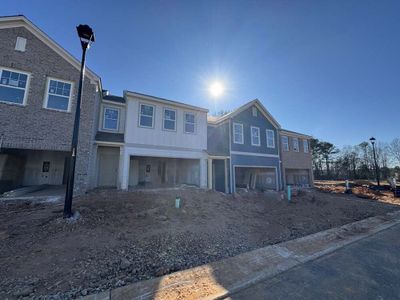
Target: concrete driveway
{"points": [[366, 269]]}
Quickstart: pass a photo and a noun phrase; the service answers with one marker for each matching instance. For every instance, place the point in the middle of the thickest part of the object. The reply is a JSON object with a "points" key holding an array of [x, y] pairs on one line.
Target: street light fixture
{"points": [[372, 140], [86, 37]]}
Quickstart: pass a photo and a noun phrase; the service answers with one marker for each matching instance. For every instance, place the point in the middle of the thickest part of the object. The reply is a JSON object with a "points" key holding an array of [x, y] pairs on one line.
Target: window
{"points": [[270, 138], [20, 45], [110, 120], [58, 95], [255, 136], [169, 119], [285, 143], [238, 133], [13, 86], [190, 123], [254, 111], [296, 144], [305, 146], [146, 118]]}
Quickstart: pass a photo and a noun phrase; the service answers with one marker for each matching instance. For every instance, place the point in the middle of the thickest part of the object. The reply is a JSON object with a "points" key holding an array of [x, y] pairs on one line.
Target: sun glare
{"points": [[216, 89]]}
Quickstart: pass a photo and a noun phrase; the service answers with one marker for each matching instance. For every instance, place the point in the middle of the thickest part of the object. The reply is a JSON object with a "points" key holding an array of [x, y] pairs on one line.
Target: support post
{"points": [[209, 171]]}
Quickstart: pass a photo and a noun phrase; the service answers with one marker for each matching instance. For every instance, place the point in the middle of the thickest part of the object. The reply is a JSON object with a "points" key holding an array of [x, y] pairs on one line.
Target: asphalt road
{"points": [[367, 269]]}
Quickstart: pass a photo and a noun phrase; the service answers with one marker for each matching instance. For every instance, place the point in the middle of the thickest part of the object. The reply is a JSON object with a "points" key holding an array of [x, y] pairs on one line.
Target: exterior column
{"points": [[123, 170], [203, 173], [210, 181]]}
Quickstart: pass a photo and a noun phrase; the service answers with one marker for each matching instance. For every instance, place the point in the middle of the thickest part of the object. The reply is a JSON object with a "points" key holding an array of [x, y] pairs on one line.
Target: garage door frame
{"points": [[259, 167]]}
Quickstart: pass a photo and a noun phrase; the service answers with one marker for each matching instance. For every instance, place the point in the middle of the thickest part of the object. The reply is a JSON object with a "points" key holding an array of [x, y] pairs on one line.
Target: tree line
{"points": [[355, 162]]}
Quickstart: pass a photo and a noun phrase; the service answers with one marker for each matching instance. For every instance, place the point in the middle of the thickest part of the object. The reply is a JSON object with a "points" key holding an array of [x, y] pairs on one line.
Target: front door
{"points": [[108, 169]]}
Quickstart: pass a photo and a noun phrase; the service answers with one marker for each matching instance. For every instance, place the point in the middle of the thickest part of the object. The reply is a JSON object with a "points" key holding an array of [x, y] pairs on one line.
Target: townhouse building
{"points": [[147, 141], [248, 149], [129, 141], [38, 88]]}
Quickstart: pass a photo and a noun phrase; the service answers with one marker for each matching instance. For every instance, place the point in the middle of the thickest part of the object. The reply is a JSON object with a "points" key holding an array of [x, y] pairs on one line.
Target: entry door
{"points": [[108, 169]]}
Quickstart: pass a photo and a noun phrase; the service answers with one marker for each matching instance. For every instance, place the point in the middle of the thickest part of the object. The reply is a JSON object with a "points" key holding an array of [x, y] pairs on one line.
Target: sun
{"points": [[216, 89]]}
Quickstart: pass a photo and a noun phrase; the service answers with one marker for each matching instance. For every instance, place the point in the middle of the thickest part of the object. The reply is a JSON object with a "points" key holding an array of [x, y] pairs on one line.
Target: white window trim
{"points": [[254, 111], [24, 102], [46, 95], [305, 142], [273, 138], [184, 122], [176, 117], [104, 118], [152, 119], [251, 135], [241, 129], [283, 144], [298, 144]]}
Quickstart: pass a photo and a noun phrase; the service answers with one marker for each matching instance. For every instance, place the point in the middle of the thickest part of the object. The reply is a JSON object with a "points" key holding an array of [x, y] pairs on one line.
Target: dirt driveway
{"points": [[125, 237]]}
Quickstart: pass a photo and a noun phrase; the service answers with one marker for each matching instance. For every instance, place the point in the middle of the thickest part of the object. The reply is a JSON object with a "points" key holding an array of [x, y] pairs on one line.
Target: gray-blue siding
{"points": [[218, 139], [247, 119]]}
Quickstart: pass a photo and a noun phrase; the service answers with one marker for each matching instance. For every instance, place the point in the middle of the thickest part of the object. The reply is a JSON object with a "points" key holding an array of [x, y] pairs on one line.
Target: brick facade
{"points": [[34, 127]]}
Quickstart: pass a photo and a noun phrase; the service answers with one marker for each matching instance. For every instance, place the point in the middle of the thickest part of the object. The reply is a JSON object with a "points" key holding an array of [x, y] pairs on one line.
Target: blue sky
{"points": [[327, 68]]}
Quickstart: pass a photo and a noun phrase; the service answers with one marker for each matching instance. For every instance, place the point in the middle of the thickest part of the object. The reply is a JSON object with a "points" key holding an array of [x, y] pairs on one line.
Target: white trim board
{"points": [[254, 154]]}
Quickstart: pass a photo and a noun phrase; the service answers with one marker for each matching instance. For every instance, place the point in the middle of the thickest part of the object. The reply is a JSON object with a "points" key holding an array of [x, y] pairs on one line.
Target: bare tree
{"points": [[394, 150]]}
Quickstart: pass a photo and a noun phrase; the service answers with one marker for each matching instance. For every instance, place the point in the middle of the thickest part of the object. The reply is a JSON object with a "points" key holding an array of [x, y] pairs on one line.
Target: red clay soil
{"points": [[125, 237]]}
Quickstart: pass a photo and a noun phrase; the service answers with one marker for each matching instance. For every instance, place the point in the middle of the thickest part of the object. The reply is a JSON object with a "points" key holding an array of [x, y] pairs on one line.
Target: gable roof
{"points": [[163, 100], [22, 21], [255, 102], [295, 134]]}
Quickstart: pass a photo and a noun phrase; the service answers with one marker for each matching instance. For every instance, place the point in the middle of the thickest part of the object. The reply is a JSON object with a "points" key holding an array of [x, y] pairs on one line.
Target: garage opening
{"points": [[256, 178], [298, 177], [20, 167], [157, 172]]}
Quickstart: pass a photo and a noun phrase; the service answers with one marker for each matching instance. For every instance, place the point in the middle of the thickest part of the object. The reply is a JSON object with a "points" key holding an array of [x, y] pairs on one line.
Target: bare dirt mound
{"points": [[124, 237]]}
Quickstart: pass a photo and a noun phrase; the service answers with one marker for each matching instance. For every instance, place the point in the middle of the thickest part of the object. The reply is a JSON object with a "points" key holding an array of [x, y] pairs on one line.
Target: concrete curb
{"points": [[222, 278]]}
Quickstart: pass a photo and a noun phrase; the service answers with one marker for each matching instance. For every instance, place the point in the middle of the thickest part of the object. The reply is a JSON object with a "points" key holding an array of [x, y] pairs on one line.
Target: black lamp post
{"points": [[372, 140], [86, 36]]}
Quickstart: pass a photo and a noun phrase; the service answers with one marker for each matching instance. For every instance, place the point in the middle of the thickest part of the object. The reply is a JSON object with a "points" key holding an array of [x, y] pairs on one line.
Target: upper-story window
{"points": [[13, 86], [169, 119], [146, 118], [295, 144], [110, 118], [270, 138], [285, 143], [254, 111], [189, 123], [58, 95], [238, 133], [255, 136], [305, 146]]}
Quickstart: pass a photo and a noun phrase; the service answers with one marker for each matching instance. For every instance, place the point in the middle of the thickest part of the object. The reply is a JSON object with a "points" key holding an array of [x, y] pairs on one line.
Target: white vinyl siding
{"points": [[13, 86], [285, 143], [169, 119], [305, 146], [111, 118], [58, 95], [189, 123], [295, 144], [255, 136], [238, 133], [146, 115], [270, 138]]}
